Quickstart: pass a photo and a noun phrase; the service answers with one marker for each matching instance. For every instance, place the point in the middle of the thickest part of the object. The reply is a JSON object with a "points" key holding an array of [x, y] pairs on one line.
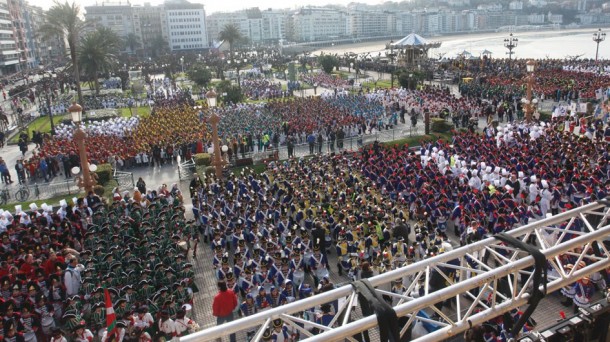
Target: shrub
{"points": [[203, 159], [545, 116], [440, 125], [104, 174], [210, 170], [98, 190]]}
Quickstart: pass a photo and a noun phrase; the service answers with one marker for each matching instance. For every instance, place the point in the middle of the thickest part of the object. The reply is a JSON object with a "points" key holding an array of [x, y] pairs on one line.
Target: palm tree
{"points": [[230, 33], [132, 42], [63, 20], [99, 53]]}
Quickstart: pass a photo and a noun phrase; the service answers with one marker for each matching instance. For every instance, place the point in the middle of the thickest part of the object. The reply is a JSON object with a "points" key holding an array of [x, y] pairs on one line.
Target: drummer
{"points": [[319, 265], [288, 292], [297, 267], [248, 308], [247, 283], [343, 250], [399, 250]]}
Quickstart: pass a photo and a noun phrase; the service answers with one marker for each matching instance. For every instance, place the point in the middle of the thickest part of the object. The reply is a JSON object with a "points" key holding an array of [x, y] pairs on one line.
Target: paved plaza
{"points": [[546, 314]]}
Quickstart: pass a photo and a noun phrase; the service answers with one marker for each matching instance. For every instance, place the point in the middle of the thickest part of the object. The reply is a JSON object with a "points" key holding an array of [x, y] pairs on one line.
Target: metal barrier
{"points": [[124, 179], [186, 169], [38, 191], [351, 143]]}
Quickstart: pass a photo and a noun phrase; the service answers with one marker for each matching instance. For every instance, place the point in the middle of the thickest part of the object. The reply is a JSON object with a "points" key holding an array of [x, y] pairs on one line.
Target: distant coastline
{"points": [[532, 44]]}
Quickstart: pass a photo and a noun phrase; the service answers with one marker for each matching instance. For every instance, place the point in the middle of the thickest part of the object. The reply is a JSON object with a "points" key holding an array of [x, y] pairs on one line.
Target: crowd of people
{"points": [[271, 233], [61, 266], [556, 80], [260, 88], [172, 129], [323, 79]]}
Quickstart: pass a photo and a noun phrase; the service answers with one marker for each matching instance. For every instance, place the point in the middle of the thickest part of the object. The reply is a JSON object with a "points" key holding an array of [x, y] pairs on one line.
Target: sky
{"points": [[227, 5]]}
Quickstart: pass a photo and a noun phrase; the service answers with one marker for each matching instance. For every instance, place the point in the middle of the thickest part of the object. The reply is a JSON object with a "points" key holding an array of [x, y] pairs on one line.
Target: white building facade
{"points": [[186, 26]]}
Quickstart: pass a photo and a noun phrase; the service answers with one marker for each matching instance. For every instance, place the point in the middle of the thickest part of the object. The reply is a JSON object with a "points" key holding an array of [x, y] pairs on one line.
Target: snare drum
{"points": [[297, 277], [321, 273]]}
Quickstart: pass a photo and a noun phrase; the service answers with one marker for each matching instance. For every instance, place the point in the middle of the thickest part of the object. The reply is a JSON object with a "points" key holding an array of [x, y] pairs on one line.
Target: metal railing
{"points": [[475, 290], [38, 191], [123, 179], [352, 143], [186, 169]]}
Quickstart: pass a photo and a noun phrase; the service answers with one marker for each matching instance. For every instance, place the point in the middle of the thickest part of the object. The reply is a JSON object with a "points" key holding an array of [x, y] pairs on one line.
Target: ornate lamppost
{"points": [[528, 101], [86, 182], [598, 37], [510, 43], [211, 98]]}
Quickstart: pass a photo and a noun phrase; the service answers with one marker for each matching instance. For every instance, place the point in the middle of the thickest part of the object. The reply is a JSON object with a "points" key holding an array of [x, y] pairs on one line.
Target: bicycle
{"points": [[4, 196], [22, 194]]}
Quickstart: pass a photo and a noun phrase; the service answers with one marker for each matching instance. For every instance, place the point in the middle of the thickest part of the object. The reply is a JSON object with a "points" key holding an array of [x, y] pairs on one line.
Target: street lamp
{"points": [[48, 100], [391, 55], [49, 49], [86, 182], [598, 37], [182, 63], [510, 43], [214, 119], [527, 101]]}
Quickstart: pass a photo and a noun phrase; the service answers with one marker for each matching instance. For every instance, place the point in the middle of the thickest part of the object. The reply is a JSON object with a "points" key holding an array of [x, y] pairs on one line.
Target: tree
{"points": [[158, 46], [199, 74], [99, 53], [230, 33], [132, 42], [328, 63], [64, 20], [233, 92]]}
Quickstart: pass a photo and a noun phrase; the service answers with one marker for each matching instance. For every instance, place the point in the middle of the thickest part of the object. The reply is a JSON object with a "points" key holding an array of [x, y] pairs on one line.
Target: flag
{"points": [[110, 315]]}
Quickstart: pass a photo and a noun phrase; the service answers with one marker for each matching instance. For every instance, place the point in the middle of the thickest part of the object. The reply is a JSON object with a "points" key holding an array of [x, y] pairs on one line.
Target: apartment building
{"points": [[370, 24], [9, 58], [319, 23], [117, 16], [149, 24], [186, 25]]}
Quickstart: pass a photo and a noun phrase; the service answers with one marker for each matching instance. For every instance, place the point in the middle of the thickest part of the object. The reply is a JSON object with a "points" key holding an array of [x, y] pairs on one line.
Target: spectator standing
{"points": [[20, 169], [72, 277], [224, 303], [6, 176], [311, 140], [23, 145], [141, 185]]}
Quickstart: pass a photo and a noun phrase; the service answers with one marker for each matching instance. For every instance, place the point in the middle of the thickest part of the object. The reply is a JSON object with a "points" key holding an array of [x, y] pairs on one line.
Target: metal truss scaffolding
{"points": [[484, 280]]}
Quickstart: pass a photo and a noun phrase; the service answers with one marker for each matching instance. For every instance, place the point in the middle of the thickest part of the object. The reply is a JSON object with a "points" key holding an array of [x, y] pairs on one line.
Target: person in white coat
{"points": [[72, 277], [533, 189], [475, 181], [545, 198]]}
